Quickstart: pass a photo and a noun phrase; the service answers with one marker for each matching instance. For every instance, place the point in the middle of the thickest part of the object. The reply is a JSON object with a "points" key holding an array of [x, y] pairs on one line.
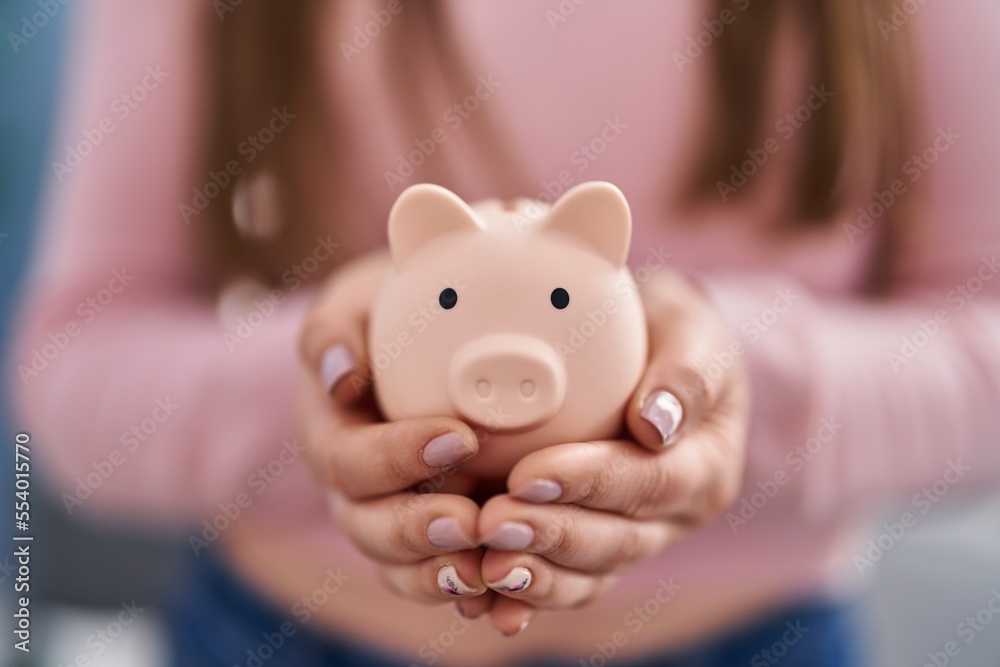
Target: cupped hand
{"points": [[371, 471], [577, 514]]}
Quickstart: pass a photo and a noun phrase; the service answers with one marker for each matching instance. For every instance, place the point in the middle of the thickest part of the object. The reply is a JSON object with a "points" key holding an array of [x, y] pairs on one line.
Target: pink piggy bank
{"points": [[521, 320]]}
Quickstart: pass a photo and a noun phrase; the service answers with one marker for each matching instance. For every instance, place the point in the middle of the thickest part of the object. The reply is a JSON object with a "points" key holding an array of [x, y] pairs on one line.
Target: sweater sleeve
{"points": [[859, 400], [140, 401]]}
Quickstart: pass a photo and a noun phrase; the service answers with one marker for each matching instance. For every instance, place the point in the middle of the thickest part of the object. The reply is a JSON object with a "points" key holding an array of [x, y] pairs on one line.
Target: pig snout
{"points": [[507, 381]]}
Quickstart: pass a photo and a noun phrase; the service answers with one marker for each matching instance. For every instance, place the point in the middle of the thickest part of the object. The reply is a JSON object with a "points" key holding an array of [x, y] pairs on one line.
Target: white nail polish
{"points": [[450, 582], [516, 580], [664, 411]]}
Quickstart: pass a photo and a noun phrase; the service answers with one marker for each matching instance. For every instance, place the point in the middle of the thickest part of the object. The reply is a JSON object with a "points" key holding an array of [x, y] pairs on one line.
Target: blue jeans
{"points": [[217, 620]]}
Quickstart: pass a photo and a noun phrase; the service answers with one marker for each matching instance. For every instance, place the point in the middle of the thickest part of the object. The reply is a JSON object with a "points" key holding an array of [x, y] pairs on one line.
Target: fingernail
{"points": [[445, 533], [539, 491], [450, 582], [664, 411], [465, 613], [520, 629], [516, 580], [511, 536], [337, 363], [446, 450]]}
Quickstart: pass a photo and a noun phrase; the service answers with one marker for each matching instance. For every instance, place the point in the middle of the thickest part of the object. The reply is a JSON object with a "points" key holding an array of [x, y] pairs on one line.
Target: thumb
{"points": [[336, 354], [333, 341], [682, 382]]}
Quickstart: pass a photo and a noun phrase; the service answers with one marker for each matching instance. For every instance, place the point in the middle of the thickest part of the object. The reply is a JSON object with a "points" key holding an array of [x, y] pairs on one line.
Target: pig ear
{"points": [[422, 213], [597, 214]]}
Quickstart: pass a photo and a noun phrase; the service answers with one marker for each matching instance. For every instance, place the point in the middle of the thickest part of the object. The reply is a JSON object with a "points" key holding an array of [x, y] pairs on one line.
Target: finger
{"points": [[534, 580], [333, 340], [438, 579], [407, 527], [571, 536], [510, 616], [365, 458], [616, 476], [335, 352], [475, 606], [690, 363]]}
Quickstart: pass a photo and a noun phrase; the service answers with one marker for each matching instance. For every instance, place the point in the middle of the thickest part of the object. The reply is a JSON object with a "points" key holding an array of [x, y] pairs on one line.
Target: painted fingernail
{"points": [[516, 580], [520, 629], [539, 491], [337, 363], [511, 536], [445, 533], [664, 411], [446, 450], [450, 582]]}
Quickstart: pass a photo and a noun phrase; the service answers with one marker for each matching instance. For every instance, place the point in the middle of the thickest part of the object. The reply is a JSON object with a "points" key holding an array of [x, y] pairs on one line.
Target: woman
{"points": [[796, 161]]}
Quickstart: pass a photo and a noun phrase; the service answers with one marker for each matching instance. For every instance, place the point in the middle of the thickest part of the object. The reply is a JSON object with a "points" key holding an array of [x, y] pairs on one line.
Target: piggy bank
{"points": [[520, 319]]}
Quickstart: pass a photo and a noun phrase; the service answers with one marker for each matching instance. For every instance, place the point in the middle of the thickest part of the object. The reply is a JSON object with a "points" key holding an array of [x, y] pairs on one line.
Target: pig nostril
{"points": [[527, 389], [484, 389]]}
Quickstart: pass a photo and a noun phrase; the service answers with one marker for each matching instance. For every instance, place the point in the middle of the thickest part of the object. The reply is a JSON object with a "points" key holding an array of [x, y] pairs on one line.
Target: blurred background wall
{"points": [[81, 572], [944, 570]]}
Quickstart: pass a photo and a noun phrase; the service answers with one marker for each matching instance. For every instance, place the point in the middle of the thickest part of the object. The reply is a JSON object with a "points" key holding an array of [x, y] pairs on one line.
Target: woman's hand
{"points": [[423, 541], [576, 514]]}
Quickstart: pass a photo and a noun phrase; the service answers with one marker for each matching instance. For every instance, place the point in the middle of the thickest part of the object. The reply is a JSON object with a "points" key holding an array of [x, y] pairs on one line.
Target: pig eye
{"points": [[448, 298], [560, 298]]}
